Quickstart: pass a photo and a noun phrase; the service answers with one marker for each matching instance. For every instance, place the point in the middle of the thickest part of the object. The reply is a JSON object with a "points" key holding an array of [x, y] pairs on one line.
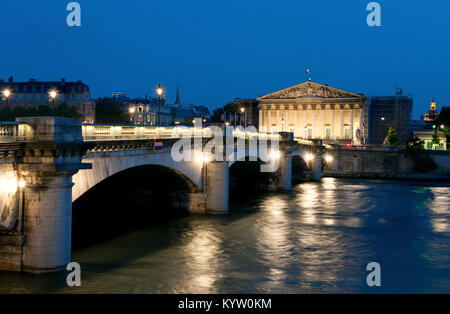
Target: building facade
{"points": [[387, 111], [145, 112], [315, 111], [427, 137], [35, 93]]}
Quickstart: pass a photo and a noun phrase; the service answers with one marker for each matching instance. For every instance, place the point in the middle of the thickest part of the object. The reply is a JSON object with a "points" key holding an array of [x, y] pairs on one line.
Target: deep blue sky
{"points": [[218, 50]]}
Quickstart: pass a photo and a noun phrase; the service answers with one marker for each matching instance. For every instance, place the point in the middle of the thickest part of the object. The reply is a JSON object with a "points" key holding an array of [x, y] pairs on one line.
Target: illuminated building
{"points": [[432, 113]]}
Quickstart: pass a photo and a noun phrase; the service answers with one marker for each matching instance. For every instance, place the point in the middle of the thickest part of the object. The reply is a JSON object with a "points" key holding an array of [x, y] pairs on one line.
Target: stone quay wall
{"points": [[382, 163]]}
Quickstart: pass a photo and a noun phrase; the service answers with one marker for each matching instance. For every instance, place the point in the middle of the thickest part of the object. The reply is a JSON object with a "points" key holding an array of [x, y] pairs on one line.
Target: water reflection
{"points": [[440, 206], [201, 248], [318, 238]]}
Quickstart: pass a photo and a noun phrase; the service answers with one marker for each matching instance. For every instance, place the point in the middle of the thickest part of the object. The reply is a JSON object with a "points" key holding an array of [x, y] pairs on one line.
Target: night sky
{"points": [[218, 50]]}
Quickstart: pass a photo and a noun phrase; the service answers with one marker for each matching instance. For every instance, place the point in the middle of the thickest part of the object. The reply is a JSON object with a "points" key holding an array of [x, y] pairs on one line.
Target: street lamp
{"points": [[52, 94], [245, 116], [159, 91], [6, 93]]}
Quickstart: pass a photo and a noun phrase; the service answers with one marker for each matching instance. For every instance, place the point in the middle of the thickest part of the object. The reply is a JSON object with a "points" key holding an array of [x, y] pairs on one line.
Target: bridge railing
{"points": [[15, 132], [256, 135], [100, 132]]}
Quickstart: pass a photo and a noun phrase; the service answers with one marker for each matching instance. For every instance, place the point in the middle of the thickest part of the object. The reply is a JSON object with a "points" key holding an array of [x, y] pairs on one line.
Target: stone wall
{"points": [[11, 250], [8, 196], [382, 163]]}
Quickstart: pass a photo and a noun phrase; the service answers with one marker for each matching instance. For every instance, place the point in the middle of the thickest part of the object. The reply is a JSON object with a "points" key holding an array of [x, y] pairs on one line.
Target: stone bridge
{"points": [[46, 163]]}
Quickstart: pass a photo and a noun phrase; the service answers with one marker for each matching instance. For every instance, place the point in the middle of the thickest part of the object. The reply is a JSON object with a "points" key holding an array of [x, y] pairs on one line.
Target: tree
{"points": [[443, 119], [107, 111], [228, 109], [392, 136], [62, 110], [436, 140], [422, 162]]}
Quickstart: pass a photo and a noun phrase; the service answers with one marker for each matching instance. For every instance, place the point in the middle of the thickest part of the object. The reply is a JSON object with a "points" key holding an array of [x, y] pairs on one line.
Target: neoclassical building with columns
{"points": [[315, 111]]}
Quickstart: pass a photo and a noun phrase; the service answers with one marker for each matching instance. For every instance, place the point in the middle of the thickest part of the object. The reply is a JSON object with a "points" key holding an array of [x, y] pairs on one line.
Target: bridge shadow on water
{"points": [[133, 199]]}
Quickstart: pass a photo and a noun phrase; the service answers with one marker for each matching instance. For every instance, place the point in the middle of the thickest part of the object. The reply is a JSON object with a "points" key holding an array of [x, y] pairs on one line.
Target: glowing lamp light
{"points": [[6, 93], [159, 90], [242, 109], [202, 158], [442, 126], [9, 184], [328, 158], [227, 123], [53, 94], [275, 155], [309, 157], [382, 118]]}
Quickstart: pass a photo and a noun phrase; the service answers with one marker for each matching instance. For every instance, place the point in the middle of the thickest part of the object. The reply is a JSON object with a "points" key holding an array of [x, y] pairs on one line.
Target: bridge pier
{"points": [[316, 168], [217, 181], [284, 172], [49, 161], [47, 222]]}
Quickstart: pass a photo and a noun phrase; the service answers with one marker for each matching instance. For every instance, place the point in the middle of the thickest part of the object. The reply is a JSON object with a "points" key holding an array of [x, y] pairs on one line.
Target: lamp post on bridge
{"points": [[159, 91]]}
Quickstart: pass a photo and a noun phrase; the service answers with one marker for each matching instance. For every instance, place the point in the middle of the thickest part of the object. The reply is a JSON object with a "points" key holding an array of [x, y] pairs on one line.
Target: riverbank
{"points": [[389, 176]]}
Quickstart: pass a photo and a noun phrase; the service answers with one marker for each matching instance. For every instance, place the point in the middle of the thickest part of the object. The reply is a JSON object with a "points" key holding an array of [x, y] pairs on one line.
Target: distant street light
{"points": [[442, 126], [382, 118], [6, 93], [52, 94], [245, 117], [160, 92]]}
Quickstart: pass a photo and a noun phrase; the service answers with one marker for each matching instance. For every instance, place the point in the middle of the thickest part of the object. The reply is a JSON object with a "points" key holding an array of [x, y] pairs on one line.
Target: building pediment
{"points": [[310, 90]]}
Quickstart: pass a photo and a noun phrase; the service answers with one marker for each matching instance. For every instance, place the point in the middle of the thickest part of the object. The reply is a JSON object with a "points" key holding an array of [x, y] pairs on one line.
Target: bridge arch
{"points": [[104, 167]]}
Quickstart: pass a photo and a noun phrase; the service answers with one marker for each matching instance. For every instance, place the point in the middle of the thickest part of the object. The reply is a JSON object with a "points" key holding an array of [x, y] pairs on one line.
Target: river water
{"points": [[316, 239]]}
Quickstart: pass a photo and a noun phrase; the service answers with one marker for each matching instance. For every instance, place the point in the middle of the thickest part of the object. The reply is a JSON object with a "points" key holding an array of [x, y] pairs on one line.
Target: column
{"points": [[269, 121], [313, 123], [332, 124], [341, 122], [217, 181], [351, 124], [303, 123], [286, 120], [260, 123], [322, 123], [278, 120], [361, 117], [295, 122]]}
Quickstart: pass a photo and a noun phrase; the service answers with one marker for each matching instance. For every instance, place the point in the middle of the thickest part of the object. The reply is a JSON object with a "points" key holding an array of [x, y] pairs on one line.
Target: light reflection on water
{"points": [[317, 238]]}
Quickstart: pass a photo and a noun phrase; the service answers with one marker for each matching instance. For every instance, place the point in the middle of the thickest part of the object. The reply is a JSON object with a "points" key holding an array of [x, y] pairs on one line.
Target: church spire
{"points": [[177, 98]]}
